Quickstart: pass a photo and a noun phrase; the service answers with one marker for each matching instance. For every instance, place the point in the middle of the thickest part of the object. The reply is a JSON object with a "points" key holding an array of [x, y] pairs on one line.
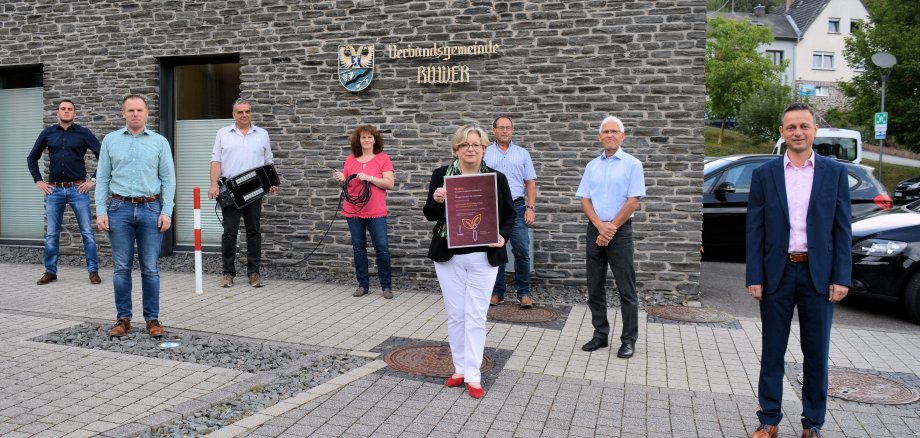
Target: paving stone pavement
{"points": [[685, 379]]}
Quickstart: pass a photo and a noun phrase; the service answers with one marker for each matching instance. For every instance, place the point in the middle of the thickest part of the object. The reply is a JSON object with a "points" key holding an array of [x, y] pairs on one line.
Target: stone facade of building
{"points": [[558, 69]]}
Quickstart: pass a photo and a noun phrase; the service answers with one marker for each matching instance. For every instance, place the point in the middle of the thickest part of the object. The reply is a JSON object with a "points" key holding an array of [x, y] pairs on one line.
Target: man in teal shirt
{"points": [[137, 176]]}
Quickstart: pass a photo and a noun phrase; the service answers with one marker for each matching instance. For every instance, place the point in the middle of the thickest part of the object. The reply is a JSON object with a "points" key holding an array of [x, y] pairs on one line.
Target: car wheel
{"points": [[912, 298]]}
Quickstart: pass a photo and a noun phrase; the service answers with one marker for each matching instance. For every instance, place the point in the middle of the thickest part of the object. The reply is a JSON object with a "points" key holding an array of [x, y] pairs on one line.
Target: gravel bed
{"points": [[287, 384], [217, 351]]}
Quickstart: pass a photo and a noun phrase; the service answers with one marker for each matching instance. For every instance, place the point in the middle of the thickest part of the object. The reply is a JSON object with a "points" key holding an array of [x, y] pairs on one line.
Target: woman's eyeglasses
{"points": [[469, 146]]}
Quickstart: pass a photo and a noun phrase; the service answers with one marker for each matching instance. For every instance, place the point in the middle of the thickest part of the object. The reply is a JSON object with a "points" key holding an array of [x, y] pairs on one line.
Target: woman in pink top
{"points": [[368, 171]]}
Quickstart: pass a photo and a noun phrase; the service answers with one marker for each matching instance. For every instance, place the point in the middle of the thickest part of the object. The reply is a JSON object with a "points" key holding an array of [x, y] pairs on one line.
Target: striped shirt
{"points": [[515, 163]]}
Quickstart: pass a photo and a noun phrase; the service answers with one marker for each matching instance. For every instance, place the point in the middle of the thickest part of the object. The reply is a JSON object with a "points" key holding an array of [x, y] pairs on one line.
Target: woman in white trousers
{"points": [[467, 274]]}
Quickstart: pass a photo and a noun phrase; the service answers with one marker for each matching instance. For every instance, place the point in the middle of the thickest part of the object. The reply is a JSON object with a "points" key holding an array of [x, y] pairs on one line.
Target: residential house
{"points": [[811, 34]]}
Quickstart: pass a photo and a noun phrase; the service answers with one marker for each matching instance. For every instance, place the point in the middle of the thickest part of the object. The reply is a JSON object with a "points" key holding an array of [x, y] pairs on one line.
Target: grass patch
{"points": [[733, 143], [892, 174]]}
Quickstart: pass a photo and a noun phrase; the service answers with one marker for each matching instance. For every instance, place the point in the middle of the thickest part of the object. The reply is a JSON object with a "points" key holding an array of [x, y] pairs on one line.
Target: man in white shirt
{"points": [[240, 147]]}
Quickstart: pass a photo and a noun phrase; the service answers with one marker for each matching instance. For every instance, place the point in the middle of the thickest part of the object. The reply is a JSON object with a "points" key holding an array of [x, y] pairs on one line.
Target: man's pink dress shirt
{"points": [[798, 194]]}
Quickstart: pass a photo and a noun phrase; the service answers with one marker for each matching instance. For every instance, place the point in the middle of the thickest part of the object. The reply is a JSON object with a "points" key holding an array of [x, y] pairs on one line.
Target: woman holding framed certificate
{"points": [[472, 206]]}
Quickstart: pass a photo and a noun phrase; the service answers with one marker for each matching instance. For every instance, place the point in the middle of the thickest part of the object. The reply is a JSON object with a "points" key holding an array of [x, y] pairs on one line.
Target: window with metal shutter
{"points": [[194, 142], [22, 205]]}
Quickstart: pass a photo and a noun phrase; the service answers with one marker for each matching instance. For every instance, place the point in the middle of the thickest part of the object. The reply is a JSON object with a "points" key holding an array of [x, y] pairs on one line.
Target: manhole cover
{"points": [[868, 388], [516, 313], [689, 314], [427, 360]]}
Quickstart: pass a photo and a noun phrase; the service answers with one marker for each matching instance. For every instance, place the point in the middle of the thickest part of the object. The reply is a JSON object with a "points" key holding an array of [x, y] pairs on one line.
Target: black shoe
{"points": [[594, 344], [626, 351]]}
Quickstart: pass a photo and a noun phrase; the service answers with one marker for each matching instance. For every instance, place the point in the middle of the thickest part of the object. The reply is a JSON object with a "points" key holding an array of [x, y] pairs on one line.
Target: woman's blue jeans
{"points": [[377, 226]]}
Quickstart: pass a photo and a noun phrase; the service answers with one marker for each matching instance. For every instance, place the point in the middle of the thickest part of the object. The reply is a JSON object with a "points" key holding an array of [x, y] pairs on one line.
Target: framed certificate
{"points": [[472, 210]]}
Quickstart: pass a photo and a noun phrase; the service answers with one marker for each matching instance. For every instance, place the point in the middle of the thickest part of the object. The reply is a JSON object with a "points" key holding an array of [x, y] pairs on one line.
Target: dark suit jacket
{"points": [[828, 226], [438, 250]]}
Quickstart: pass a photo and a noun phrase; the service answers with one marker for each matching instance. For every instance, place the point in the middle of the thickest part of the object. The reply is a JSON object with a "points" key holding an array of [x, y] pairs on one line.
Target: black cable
{"points": [[360, 200]]}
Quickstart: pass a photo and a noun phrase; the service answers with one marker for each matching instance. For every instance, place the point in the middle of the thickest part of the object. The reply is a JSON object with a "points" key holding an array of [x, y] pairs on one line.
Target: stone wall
{"points": [[560, 68]]}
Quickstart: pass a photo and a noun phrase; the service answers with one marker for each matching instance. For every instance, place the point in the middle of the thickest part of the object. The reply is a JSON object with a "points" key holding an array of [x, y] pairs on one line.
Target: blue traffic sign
{"points": [[880, 135]]}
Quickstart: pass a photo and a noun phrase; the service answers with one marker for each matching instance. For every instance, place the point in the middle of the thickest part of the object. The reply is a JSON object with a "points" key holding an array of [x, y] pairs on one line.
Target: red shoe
{"points": [[475, 392], [453, 382]]}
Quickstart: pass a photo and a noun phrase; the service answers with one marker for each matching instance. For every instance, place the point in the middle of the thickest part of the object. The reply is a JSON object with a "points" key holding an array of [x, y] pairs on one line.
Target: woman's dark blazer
{"points": [[438, 250]]}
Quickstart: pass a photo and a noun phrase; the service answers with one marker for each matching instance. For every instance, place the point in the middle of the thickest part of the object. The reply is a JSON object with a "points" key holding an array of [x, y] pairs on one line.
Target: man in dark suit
{"points": [[798, 255]]}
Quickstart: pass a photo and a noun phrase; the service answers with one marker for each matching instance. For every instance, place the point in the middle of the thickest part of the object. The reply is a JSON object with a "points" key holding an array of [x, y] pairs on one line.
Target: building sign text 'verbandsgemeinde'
{"points": [[441, 74]]}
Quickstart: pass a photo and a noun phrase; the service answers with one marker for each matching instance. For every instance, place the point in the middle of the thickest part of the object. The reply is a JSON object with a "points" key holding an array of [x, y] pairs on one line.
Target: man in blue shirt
{"points": [[514, 161], [610, 191], [67, 184], [136, 168]]}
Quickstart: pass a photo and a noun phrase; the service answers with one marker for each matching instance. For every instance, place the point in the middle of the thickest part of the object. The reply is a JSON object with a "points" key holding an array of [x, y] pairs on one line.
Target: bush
{"points": [[759, 117]]}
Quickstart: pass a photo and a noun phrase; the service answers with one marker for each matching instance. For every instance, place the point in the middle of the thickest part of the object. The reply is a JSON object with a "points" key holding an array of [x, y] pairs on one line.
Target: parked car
{"points": [[727, 181], [886, 256], [843, 144], [907, 191]]}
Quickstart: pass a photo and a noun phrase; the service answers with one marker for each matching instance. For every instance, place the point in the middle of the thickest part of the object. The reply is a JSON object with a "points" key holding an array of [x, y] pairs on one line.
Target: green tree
{"points": [[734, 68], [759, 117], [891, 27], [743, 6]]}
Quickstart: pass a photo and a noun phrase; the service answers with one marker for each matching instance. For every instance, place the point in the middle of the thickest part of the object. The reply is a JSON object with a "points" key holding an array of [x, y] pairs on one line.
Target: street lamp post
{"points": [[885, 61]]}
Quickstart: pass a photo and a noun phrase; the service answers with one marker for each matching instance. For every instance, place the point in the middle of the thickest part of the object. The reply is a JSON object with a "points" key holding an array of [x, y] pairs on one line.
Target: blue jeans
{"points": [[378, 229], [55, 203], [520, 247], [129, 223]]}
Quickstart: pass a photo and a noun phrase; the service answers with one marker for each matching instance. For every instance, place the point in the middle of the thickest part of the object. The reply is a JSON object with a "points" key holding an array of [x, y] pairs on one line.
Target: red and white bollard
{"points": [[198, 279]]}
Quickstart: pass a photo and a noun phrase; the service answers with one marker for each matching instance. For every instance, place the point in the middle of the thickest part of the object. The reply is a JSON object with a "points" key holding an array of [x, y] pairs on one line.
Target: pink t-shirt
{"points": [[377, 205]]}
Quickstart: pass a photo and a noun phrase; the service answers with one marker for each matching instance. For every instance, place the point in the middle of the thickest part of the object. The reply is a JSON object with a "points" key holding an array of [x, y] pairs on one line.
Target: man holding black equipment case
{"points": [[237, 148]]}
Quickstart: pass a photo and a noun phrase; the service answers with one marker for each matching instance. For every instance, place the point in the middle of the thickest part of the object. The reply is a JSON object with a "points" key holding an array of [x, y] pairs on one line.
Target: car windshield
{"points": [[714, 165]]}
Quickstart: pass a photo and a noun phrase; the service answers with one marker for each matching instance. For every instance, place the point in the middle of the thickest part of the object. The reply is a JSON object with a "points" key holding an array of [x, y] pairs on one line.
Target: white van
{"points": [[832, 142]]}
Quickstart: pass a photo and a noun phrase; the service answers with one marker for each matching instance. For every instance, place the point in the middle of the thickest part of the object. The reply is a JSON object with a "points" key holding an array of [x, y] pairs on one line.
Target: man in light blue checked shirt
{"points": [[610, 191], [136, 168], [514, 161]]}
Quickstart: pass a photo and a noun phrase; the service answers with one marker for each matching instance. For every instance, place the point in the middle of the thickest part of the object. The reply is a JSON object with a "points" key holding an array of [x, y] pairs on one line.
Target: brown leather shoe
{"points": [[526, 301], [765, 431], [494, 300], [120, 328], [155, 329], [255, 280], [94, 278], [47, 277], [227, 281], [814, 432]]}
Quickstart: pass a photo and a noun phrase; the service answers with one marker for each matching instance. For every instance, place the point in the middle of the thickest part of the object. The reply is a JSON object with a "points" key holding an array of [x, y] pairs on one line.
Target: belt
{"points": [[798, 257], [135, 200], [68, 183]]}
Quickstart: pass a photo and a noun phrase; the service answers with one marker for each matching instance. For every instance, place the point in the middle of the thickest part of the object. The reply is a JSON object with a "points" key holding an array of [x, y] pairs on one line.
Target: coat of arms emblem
{"points": [[356, 66]]}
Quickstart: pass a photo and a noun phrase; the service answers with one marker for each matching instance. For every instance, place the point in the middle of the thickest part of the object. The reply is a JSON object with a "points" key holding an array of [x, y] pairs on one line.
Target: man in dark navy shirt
{"points": [[67, 183]]}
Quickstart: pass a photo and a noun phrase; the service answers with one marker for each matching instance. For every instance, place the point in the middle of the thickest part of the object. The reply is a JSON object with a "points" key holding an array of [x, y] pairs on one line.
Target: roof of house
{"points": [[802, 12]]}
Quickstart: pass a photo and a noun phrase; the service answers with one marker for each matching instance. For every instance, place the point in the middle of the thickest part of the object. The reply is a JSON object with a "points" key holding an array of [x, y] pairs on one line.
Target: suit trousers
{"points": [[618, 254], [228, 240], [816, 313], [466, 282]]}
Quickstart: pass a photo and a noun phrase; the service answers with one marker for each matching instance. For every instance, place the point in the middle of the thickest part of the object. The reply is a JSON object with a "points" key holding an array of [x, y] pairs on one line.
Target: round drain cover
{"points": [[868, 388], [427, 360], [516, 313], [689, 314]]}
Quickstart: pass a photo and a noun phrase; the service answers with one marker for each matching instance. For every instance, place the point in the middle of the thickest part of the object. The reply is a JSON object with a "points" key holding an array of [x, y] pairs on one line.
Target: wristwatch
{"points": [[531, 207], [93, 179]]}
